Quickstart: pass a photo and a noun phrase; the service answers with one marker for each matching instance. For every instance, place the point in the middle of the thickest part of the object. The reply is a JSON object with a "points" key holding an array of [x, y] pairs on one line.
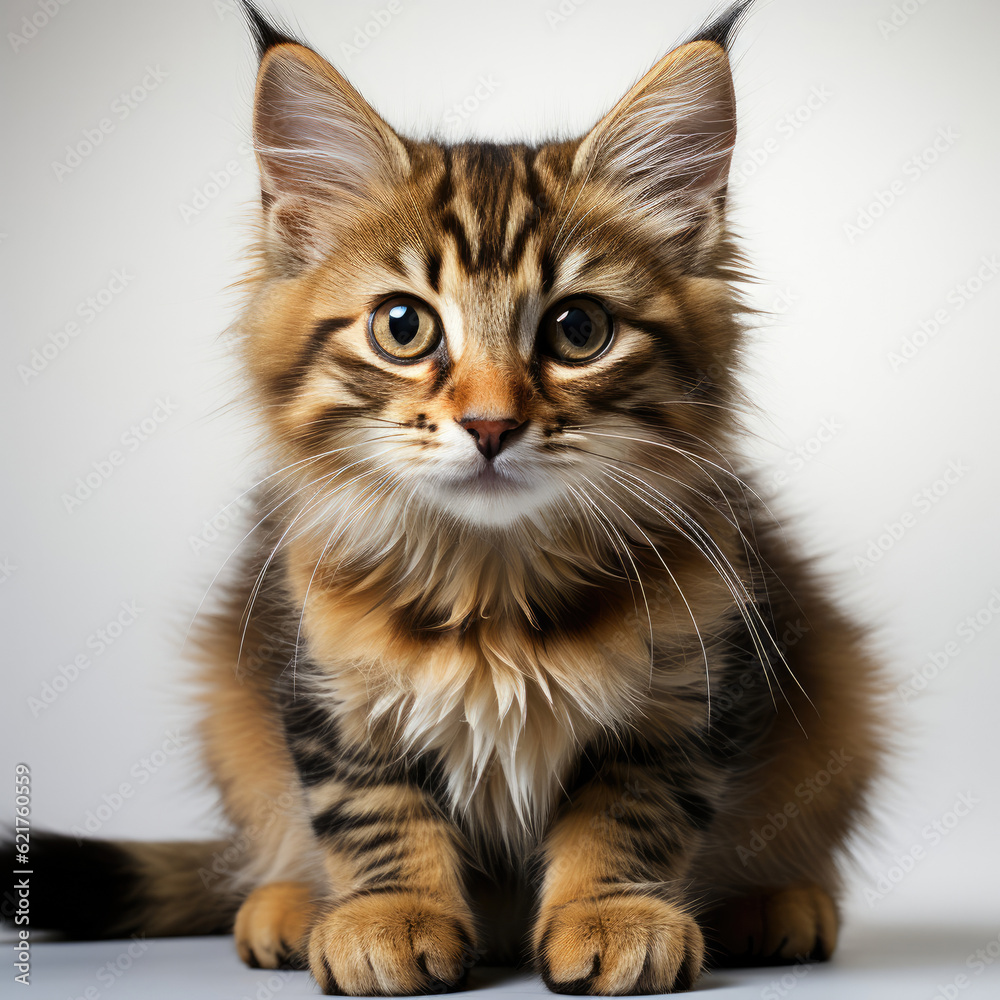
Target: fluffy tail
{"points": [[107, 889]]}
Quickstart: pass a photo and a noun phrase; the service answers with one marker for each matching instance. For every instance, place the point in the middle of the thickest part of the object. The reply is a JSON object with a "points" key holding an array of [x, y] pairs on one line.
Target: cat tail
{"points": [[91, 889]]}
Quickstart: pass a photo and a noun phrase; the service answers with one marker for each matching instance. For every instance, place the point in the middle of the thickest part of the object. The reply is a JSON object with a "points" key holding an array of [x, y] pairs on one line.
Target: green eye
{"points": [[576, 330], [404, 328]]}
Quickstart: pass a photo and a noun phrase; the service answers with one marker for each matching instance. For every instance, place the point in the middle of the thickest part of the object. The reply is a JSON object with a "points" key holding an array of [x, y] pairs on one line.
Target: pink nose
{"points": [[490, 435]]}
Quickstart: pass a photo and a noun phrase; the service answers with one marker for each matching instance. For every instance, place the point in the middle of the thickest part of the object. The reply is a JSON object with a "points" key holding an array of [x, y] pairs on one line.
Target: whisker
{"points": [[663, 562]]}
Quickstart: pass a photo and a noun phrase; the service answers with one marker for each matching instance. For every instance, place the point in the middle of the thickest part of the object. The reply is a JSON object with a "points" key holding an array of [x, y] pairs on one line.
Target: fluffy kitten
{"points": [[516, 668]]}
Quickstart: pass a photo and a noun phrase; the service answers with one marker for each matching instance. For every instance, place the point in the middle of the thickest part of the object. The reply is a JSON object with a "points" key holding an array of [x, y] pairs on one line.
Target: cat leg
{"points": [[770, 867], [397, 921], [612, 917]]}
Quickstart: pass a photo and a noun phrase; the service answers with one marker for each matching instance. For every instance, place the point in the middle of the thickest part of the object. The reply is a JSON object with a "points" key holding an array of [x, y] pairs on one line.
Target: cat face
{"points": [[494, 332]]}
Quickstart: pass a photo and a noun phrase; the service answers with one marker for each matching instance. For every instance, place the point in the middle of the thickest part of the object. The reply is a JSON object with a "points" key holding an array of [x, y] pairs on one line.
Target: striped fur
{"points": [[542, 699]]}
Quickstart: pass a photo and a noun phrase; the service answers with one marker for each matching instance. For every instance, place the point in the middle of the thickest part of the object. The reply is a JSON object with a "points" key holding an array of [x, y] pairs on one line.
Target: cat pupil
{"points": [[576, 326], [404, 321]]}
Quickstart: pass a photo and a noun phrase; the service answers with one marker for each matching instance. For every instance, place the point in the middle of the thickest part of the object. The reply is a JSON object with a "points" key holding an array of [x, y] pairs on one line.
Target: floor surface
{"points": [[875, 962]]}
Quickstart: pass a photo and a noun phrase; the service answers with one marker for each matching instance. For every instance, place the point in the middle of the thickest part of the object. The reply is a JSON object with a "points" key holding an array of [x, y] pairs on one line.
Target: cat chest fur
{"points": [[503, 709]]}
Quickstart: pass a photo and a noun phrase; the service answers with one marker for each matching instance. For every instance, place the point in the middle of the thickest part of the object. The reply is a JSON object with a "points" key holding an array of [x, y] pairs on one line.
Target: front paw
{"points": [[392, 944], [619, 944]]}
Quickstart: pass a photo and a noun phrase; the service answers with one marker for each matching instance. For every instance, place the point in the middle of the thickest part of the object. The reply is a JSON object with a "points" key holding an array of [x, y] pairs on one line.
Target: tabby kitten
{"points": [[516, 667]]}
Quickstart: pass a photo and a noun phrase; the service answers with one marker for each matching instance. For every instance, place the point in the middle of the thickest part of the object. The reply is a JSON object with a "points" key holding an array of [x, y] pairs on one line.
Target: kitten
{"points": [[517, 667]]}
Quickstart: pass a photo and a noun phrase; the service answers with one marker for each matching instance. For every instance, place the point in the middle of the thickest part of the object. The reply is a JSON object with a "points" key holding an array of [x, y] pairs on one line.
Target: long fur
{"points": [[457, 703]]}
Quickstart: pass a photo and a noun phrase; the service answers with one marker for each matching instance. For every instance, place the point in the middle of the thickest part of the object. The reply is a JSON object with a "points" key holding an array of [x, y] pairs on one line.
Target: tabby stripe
{"points": [[336, 821], [391, 877], [375, 841], [288, 382], [442, 371], [314, 766], [433, 266], [685, 371], [452, 225], [532, 218]]}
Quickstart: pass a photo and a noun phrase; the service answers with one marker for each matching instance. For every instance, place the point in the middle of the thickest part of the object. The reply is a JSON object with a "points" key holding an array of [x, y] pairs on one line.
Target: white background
{"points": [[843, 303]]}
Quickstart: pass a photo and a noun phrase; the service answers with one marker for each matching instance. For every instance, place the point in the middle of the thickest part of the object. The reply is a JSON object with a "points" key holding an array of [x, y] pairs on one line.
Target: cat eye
{"points": [[404, 329], [576, 330]]}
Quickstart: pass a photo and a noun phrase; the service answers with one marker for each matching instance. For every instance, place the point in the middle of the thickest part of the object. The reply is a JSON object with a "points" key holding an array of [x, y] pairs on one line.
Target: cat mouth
{"points": [[492, 478]]}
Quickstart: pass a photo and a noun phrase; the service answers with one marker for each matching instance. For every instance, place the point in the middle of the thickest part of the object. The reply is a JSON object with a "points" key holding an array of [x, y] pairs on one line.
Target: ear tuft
{"points": [[723, 29], [267, 33]]}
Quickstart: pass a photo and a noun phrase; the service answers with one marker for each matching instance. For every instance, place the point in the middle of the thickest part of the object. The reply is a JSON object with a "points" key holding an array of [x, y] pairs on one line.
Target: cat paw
{"points": [[622, 944], [391, 944], [272, 926], [776, 927]]}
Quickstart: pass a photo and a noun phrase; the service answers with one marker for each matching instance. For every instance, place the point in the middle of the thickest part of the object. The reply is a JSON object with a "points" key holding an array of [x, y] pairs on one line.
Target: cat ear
{"points": [[670, 138], [315, 136]]}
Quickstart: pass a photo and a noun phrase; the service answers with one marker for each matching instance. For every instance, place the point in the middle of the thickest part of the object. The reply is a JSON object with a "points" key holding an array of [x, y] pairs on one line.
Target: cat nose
{"points": [[490, 435]]}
